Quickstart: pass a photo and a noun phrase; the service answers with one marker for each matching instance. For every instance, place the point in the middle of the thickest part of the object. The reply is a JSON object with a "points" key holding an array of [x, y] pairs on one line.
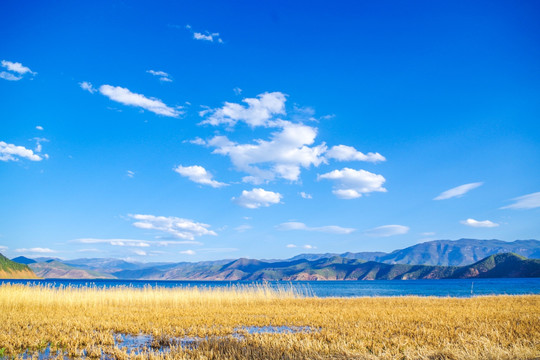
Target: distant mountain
{"points": [[501, 266], [57, 270], [433, 259], [366, 256], [103, 265], [339, 268], [460, 252], [14, 270], [23, 260], [442, 252]]}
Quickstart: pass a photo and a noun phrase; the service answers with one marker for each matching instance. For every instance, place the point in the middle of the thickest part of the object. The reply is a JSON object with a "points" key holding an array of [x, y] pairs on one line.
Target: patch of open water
{"points": [[135, 344]]}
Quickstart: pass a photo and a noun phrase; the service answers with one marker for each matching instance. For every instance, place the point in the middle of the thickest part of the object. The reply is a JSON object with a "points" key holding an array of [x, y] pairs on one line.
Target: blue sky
{"points": [[186, 131]]}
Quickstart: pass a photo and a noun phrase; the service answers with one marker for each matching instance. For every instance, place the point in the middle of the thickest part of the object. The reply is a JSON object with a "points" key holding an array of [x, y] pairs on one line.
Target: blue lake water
{"points": [[444, 288]]}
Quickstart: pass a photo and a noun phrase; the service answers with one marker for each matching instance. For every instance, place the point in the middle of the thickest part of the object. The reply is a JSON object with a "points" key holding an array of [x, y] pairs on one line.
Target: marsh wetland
{"points": [[259, 322]]}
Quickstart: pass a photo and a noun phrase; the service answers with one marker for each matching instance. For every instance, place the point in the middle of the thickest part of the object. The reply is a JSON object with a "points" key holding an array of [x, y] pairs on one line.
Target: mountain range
{"points": [[442, 252], [430, 260]]}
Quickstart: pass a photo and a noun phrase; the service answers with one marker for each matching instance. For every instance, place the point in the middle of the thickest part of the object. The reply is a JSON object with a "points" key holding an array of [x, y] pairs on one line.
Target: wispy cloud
{"points": [[458, 191], [243, 228], [87, 86], [476, 223], [130, 173], [17, 67], [349, 153], [11, 152], [15, 71], [126, 97], [162, 75], [387, 230], [174, 226], [9, 76], [305, 195], [331, 229], [529, 201], [115, 242], [188, 252], [38, 141], [40, 128], [307, 246], [199, 175], [36, 250], [353, 183], [205, 36], [257, 198]]}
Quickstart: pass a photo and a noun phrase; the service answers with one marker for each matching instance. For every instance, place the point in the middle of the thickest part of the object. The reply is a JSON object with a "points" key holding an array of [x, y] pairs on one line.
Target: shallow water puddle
{"points": [[136, 344], [272, 329]]}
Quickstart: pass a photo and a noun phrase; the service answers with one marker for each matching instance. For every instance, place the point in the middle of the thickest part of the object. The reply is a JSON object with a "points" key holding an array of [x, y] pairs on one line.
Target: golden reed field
{"points": [[214, 323]]}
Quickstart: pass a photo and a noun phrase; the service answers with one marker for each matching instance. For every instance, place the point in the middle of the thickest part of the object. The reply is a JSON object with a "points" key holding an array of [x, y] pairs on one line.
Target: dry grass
{"points": [[86, 322]]}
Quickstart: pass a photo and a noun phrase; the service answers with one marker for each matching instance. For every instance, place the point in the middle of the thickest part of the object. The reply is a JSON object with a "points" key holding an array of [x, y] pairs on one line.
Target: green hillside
{"points": [[13, 270]]}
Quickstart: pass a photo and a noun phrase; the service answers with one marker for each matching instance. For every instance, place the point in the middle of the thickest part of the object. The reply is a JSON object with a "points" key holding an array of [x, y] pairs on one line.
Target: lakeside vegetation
{"points": [[213, 323]]}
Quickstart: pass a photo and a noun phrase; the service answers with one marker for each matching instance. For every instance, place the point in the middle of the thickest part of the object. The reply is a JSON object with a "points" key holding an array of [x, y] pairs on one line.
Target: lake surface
{"points": [[444, 288]]}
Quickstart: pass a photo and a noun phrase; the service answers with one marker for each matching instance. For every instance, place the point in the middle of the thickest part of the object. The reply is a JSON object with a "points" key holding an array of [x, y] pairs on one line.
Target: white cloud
{"points": [[305, 196], [290, 246], [3, 248], [39, 128], [282, 156], [140, 252], [476, 223], [257, 198], [429, 233], [197, 141], [89, 250], [115, 242], [458, 191], [177, 227], [258, 112], [288, 149], [126, 97], [207, 37], [163, 76], [387, 230], [199, 175], [353, 183], [36, 250], [529, 201], [85, 85], [349, 153], [331, 229], [9, 76], [10, 152], [176, 242], [237, 90], [17, 67], [130, 173], [38, 141], [243, 228], [188, 252], [309, 247]]}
